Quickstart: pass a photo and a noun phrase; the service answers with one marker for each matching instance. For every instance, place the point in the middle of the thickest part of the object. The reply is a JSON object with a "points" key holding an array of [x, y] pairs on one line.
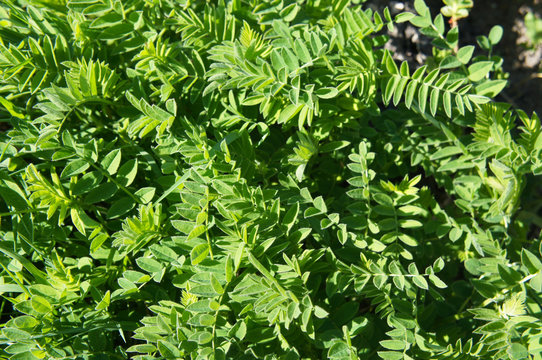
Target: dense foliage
{"points": [[259, 179]]}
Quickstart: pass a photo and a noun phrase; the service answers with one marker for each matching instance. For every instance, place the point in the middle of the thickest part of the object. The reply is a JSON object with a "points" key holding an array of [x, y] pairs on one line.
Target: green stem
{"points": [[26, 211], [258, 265], [83, 102], [14, 278], [465, 303], [216, 314], [106, 174]]}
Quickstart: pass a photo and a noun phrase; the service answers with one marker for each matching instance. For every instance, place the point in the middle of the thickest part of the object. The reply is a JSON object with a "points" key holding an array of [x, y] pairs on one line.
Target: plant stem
{"points": [[26, 211]]}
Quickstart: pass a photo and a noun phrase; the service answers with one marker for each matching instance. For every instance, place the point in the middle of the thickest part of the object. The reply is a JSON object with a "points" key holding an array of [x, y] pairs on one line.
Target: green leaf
{"points": [[438, 265], [291, 216], [404, 17], [391, 86], [408, 240], [104, 303], [14, 334], [149, 265], [326, 93], [145, 194], [12, 194], [111, 161], [25, 322], [435, 280], [302, 51], [101, 193], [465, 54], [310, 212], [206, 320], [77, 220], [41, 305], [199, 253], [420, 282], [450, 62], [197, 231], [421, 7], [168, 350], [86, 183], [200, 306], [229, 269], [421, 21], [517, 352], [447, 102], [339, 350], [410, 92], [391, 355], [288, 113], [73, 168], [216, 285], [478, 99], [320, 312], [422, 97], [536, 282], [116, 32], [479, 70], [320, 204], [142, 348], [290, 59], [127, 172], [483, 42], [10, 288], [239, 330], [491, 88], [164, 253], [383, 199], [9, 106], [531, 261], [455, 165], [434, 100], [410, 224], [393, 344], [398, 93], [183, 226], [45, 291], [495, 34], [446, 152], [120, 207], [289, 12], [204, 337]]}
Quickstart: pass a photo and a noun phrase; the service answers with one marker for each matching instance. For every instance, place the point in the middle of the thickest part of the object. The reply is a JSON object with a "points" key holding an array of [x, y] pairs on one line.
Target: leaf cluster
{"points": [[255, 179]]}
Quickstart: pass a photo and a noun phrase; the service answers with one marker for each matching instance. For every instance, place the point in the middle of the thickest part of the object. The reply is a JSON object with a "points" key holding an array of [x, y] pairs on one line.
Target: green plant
{"points": [[533, 24], [260, 180], [456, 10]]}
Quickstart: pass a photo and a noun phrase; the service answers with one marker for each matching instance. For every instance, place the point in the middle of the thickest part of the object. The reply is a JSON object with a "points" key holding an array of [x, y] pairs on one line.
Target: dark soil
{"points": [[521, 60], [525, 86]]}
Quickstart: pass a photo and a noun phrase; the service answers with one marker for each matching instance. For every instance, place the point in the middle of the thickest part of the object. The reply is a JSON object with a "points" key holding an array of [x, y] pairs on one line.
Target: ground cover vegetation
{"points": [[261, 180]]}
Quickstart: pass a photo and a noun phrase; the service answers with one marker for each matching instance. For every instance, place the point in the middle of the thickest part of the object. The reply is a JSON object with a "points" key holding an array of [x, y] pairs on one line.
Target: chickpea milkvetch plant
{"points": [[260, 180]]}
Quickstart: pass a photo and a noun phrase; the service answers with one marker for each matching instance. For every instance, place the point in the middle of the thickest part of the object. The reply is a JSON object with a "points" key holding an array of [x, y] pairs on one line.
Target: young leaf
{"points": [[199, 253], [127, 172], [104, 303], [111, 161], [479, 70]]}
